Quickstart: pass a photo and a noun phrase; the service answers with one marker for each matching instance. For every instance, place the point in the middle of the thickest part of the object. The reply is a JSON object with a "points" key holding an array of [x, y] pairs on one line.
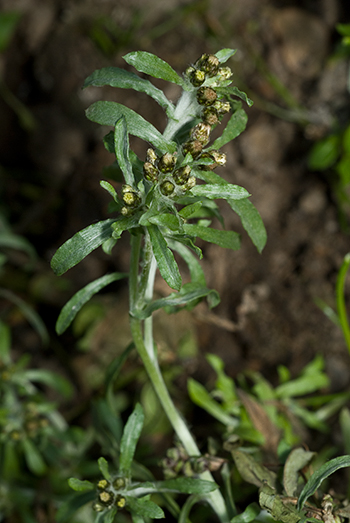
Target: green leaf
{"points": [[344, 420], [107, 113], [145, 508], [224, 54], [196, 271], [252, 471], [226, 239], [248, 214], [235, 126], [103, 466], [73, 306], [5, 343], [152, 65], [187, 486], [249, 514], [71, 505], [80, 245], [107, 424], [317, 477], [121, 148], [190, 292], [340, 295], [302, 385], [273, 503], [8, 23], [224, 383], [223, 191], [110, 189], [80, 486], [108, 517], [51, 379], [34, 459], [186, 508], [125, 223], [168, 220], [131, 434], [190, 210], [14, 241], [343, 169], [29, 313], [324, 153], [165, 259], [251, 221], [116, 77], [296, 461], [201, 397], [112, 372], [327, 311], [185, 240], [232, 90]]}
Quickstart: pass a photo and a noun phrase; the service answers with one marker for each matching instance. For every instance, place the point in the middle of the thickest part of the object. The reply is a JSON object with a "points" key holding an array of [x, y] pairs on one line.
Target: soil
{"points": [[50, 174]]}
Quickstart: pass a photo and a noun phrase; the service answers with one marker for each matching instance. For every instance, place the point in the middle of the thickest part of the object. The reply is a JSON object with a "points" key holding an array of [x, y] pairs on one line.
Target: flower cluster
{"points": [[108, 495], [178, 463], [162, 171], [207, 70]]}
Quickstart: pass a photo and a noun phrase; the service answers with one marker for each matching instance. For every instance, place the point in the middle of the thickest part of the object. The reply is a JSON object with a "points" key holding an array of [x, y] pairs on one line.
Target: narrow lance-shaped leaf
{"points": [[80, 485], [189, 293], [249, 215], [224, 54], [116, 77], [249, 514], [80, 245], [144, 508], [108, 517], [28, 312], [73, 306], [168, 220], [251, 221], [196, 271], [165, 259], [216, 191], [317, 477], [34, 459], [103, 466], [107, 113], [201, 397], [131, 434], [235, 126], [232, 90], [226, 239], [152, 65], [51, 379], [121, 147], [110, 189], [69, 508]]}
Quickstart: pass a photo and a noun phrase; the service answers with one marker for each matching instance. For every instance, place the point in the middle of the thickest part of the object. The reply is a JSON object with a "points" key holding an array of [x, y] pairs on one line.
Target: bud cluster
{"points": [[162, 170], [207, 66], [108, 495], [131, 198], [30, 423], [177, 462]]}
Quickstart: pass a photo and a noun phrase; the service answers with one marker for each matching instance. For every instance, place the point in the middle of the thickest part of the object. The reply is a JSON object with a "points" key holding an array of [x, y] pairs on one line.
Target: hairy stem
{"points": [[143, 339]]}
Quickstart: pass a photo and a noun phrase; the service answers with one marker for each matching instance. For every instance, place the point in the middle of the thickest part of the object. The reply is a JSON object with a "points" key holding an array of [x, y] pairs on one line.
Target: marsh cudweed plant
{"points": [[166, 202]]}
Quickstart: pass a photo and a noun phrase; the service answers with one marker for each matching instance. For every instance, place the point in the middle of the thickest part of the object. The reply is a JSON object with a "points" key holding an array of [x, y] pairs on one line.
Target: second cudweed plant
{"points": [[166, 202]]}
